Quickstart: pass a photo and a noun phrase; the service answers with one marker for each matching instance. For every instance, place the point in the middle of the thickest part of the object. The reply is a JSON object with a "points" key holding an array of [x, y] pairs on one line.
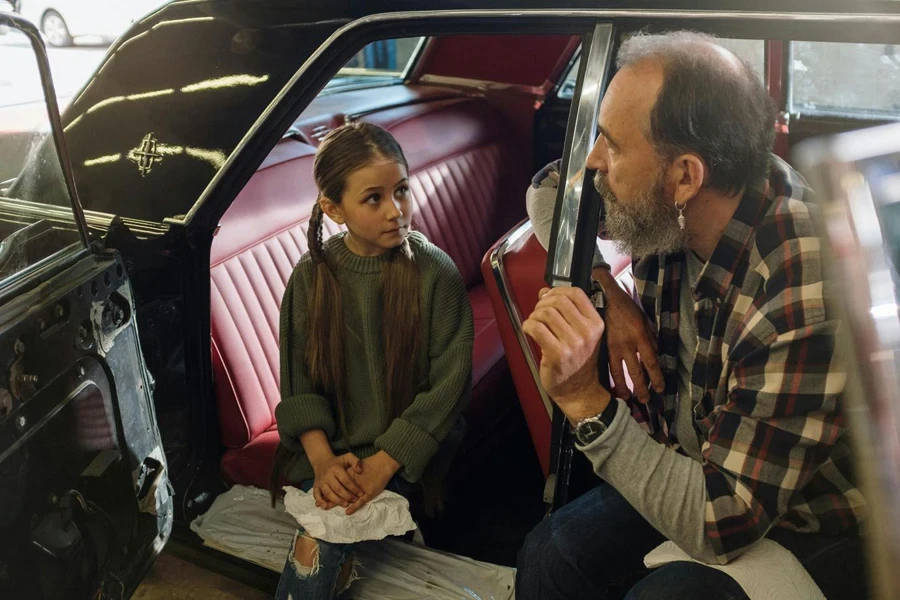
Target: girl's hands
{"points": [[377, 471], [334, 485]]}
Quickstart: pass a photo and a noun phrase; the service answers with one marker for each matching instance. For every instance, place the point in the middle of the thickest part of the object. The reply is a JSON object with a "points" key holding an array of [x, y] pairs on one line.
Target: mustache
{"points": [[601, 184]]}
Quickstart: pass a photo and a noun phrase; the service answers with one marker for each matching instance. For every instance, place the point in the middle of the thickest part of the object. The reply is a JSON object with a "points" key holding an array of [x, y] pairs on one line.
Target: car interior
{"points": [[476, 117], [194, 299]]}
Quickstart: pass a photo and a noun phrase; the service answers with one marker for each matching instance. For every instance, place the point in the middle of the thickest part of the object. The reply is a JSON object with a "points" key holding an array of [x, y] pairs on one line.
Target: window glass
{"points": [[30, 230], [753, 51], [384, 60], [857, 80]]}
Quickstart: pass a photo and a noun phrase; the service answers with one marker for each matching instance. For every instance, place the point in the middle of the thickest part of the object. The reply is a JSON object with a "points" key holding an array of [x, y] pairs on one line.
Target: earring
{"points": [[680, 210]]}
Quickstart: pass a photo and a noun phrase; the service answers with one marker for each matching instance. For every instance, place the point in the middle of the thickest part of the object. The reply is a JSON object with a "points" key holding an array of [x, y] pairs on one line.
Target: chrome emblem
{"points": [[146, 156]]}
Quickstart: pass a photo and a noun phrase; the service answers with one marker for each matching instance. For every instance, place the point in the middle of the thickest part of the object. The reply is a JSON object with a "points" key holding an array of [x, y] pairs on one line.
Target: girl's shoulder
{"points": [[433, 263], [428, 254], [303, 272]]}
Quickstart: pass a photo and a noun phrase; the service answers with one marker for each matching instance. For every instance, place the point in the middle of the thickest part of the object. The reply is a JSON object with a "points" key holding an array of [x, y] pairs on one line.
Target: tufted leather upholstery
{"points": [[466, 181], [523, 265]]}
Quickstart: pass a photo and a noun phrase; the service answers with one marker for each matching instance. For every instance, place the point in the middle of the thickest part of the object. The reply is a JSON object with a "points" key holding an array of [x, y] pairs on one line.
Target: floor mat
{"points": [[242, 523]]}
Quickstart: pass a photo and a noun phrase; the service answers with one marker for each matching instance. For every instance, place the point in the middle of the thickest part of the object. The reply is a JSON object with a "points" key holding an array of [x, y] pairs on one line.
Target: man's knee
{"points": [[684, 581], [534, 548]]}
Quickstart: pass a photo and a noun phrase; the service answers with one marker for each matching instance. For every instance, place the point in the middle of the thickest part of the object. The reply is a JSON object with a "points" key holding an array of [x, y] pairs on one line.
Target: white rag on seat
{"points": [[386, 515], [766, 571], [242, 523]]}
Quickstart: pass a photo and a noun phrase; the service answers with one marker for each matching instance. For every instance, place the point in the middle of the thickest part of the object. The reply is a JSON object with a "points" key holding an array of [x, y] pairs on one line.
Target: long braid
{"points": [[325, 341]]}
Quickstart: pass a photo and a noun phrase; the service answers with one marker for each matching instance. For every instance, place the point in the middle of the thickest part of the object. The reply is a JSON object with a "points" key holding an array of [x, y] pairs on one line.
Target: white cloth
{"points": [[386, 515], [242, 523], [766, 571]]}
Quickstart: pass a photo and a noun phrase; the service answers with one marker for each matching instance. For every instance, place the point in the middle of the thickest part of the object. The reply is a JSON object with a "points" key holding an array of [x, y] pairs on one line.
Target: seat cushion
{"points": [[252, 464]]}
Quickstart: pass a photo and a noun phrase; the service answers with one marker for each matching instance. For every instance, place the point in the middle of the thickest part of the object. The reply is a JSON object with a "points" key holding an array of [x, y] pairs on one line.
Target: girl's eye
{"points": [[402, 191], [373, 199]]}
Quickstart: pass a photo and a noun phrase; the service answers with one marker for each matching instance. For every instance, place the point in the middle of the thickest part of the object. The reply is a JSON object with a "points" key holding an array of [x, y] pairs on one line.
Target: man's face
{"points": [[631, 176]]}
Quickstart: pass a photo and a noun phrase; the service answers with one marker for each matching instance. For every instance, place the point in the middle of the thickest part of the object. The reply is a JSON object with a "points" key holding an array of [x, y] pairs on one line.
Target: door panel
{"points": [[85, 497], [85, 500]]}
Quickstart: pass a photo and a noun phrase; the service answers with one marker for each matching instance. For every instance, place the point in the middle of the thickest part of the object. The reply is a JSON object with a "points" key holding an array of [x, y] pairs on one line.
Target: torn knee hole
{"points": [[305, 555]]}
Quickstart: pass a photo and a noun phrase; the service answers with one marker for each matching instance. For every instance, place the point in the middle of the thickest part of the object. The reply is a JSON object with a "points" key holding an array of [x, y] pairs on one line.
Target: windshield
{"points": [[32, 228]]}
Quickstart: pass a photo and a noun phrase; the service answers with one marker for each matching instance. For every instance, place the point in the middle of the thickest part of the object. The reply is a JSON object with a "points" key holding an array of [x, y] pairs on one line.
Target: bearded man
{"points": [[734, 438]]}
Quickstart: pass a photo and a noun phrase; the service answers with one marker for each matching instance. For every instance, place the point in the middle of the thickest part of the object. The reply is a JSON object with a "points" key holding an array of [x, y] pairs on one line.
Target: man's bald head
{"points": [[709, 103]]}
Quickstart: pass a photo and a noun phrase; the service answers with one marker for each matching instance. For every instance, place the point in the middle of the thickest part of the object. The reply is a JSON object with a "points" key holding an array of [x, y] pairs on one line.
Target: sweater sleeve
{"points": [[540, 203], [301, 409], [414, 437]]}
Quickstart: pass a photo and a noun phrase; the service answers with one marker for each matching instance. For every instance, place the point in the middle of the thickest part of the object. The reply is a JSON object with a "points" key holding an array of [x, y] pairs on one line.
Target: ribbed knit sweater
{"points": [[447, 334]]}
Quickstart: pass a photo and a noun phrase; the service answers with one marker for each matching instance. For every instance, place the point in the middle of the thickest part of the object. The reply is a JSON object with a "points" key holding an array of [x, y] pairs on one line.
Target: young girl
{"points": [[376, 349]]}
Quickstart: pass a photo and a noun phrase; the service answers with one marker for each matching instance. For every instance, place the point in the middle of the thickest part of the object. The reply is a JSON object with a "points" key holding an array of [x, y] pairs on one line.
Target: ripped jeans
{"points": [[319, 582]]}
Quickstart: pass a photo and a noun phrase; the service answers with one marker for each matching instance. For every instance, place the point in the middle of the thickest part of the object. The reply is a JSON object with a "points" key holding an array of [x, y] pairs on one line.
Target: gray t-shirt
{"points": [[687, 352], [625, 455]]}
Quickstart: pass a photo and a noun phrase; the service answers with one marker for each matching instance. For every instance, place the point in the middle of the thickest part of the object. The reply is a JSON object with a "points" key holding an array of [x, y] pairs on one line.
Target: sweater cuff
{"points": [[600, 449], [409, 445], [299, 414]]}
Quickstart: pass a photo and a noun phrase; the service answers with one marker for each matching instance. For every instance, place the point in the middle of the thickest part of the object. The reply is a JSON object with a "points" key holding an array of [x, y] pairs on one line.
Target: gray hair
{"points": [[711, 104]]}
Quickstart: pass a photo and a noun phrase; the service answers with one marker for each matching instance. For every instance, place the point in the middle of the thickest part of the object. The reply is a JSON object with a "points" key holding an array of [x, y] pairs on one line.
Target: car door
{"points": [[85, 502]]}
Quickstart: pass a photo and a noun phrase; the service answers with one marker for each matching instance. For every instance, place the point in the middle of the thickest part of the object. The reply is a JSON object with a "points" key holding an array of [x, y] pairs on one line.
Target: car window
{"points": [[851, 80], [30, 231], [384, 61], [753, 51]]}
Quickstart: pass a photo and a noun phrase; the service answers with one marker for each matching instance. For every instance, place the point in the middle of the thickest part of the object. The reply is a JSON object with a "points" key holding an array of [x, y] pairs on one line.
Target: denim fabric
{"points": [[320, 581], [594, 548]]}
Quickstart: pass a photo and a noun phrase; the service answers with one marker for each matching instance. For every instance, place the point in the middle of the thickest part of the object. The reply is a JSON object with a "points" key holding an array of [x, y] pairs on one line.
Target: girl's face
{"points": [[376, 208]]}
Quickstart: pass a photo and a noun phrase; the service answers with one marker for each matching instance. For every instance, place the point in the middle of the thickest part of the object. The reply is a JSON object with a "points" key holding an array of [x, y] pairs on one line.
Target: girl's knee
{"points": [[305, 555]]}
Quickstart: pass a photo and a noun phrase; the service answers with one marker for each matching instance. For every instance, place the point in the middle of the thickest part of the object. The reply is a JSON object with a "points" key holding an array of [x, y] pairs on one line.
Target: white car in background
{"points": [[62, 21]]}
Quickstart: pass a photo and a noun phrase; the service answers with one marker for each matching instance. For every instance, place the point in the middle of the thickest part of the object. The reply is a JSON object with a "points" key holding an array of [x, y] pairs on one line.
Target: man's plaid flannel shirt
{"points": [[766, 383]]}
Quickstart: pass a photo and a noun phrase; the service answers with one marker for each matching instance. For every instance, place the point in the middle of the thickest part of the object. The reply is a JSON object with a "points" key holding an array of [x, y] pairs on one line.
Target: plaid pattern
{"points": [[766, 383]]}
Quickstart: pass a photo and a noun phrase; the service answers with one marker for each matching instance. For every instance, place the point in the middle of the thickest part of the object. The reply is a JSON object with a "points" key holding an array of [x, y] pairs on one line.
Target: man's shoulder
{"points": [[788, 231]]}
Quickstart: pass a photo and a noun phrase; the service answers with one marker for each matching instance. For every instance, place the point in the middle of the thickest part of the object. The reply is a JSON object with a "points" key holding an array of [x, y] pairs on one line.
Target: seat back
{"points": [[464, 175], [513, 272]]}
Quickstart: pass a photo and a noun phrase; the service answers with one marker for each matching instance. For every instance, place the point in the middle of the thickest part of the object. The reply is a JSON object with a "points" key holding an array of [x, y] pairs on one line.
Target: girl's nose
{"points": [[396, 210]]}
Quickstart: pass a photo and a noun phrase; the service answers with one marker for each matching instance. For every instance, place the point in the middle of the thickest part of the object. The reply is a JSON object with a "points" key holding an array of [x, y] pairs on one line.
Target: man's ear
{"points": [[331, 209], [687, 173]]}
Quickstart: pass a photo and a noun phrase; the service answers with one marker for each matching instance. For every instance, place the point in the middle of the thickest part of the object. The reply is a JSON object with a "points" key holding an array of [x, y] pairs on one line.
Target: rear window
{"points": [[384, 61], [845, 80], [752, 51]]}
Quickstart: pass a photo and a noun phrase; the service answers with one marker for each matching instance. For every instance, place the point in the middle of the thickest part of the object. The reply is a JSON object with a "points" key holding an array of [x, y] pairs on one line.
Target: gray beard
{"points": [[647, 225]]}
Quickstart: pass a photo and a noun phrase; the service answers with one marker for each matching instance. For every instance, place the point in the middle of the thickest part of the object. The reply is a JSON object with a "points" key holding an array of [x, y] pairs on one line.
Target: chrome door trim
{"points": [[42, 59], [513, 241], [874, 18], [570, 192], [416, 57]]}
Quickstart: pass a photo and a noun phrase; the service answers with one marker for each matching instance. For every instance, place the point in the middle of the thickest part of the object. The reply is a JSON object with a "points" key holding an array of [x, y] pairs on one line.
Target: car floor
{"points": [[172, 578]]}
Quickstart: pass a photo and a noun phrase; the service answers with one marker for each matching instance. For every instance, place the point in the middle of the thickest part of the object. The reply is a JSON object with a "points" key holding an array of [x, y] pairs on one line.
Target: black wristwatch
{"points": [[589, 429]]}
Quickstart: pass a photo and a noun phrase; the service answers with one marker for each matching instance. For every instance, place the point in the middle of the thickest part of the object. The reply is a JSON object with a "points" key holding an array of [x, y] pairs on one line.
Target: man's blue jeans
{"points": [[594, 548]]}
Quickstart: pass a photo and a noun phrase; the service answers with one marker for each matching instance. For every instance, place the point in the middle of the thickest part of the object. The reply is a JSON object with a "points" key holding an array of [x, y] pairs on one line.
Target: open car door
{"points": [[575, 224], [85, 502]]}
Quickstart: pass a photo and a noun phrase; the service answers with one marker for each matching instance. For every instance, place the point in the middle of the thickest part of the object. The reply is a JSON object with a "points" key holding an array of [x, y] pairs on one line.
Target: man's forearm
{"points": [[605, 278], [666, 488]]}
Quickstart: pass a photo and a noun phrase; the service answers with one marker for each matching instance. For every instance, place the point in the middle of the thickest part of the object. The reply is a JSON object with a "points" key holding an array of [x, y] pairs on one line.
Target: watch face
{"points": [[589, 431]]}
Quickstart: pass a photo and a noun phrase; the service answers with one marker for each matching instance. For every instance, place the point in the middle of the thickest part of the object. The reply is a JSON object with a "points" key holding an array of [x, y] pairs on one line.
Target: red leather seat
{"points": [[466, 179], [513, 272]]}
